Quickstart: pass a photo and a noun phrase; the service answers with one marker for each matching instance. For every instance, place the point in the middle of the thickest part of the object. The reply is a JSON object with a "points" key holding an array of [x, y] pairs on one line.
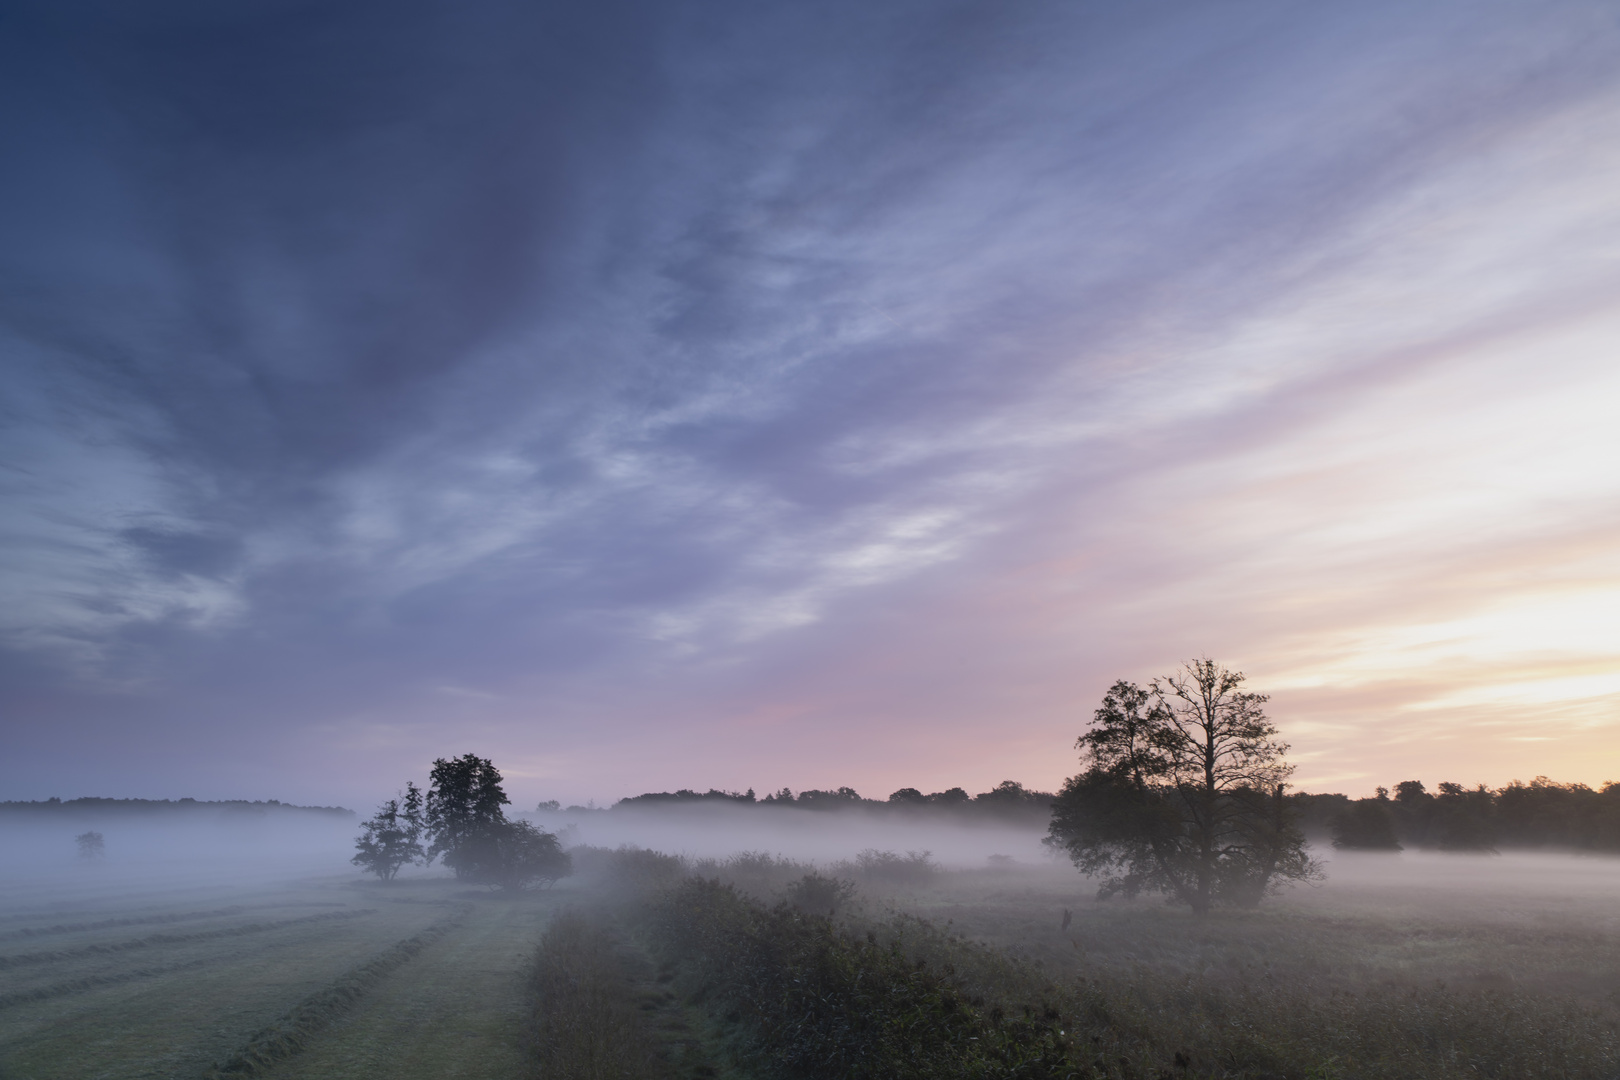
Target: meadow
{"points": [[647, 965]]}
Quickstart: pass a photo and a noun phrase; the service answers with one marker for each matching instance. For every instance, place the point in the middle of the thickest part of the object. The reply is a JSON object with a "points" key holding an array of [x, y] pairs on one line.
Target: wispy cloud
{"points": [[680, 390]]}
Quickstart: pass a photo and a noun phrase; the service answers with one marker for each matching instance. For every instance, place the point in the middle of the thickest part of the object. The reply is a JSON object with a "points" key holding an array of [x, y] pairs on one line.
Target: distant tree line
{"points": [[1008, 798], [1540, 814], [462, 821], [102, 807]]}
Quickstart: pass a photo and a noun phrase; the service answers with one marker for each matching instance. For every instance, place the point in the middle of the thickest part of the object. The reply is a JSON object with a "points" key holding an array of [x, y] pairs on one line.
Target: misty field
{"points": [[1397, 966], [416, 978]]}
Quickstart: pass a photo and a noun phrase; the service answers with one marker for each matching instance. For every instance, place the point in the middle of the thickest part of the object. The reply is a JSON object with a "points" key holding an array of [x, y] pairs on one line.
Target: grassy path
{"points": [[455, 1010]]}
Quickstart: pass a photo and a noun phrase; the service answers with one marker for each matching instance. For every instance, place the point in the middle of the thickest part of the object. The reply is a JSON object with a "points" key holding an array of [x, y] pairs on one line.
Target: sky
{"points": [[721, 394]]}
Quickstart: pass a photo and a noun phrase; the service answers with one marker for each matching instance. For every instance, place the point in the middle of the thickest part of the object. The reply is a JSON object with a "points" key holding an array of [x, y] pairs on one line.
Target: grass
{"points": [[585, 1023], [1424, 967], [455, 1010], [294, 1032], [1452, 969], [342, 974]]}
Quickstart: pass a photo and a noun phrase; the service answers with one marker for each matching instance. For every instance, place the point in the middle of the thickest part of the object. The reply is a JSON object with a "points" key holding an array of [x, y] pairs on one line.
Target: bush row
{"points": [[812, 1001]]}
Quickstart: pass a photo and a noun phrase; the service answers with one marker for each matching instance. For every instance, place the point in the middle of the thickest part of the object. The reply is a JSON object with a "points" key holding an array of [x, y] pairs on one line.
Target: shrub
{"points": [[813, 1002], [583, 1026], [513, 855], [886, 867], [819, 894]]}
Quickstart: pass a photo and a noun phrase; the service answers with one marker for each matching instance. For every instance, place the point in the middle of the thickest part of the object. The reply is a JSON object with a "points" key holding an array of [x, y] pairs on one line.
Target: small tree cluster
{"points": [[92, 845], [462, 820]]}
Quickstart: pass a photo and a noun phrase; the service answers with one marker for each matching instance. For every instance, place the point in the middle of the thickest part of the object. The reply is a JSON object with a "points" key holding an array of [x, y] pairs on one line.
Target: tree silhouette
{"points": [[393, 836], [512, 855], [1366, 825], [1182, 794], [464, 803]]}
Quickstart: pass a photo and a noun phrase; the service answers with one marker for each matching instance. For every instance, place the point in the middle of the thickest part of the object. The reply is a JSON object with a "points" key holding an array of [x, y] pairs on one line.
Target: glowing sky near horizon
{"points": [[650, 395]]}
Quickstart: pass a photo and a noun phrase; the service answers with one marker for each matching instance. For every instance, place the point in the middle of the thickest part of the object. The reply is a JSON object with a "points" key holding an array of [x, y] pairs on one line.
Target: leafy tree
{"points": [[1010, 796], [513, 855], [393, 836], [92, 845], [1466, 819], [464, 803], [1366, 825], [470, 829], [829, 800], [1182, 794]]}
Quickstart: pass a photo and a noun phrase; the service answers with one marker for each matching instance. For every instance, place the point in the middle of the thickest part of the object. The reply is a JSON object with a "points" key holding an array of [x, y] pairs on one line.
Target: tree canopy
{"points": [[464, 802], [1182, 793], [513, 855]]}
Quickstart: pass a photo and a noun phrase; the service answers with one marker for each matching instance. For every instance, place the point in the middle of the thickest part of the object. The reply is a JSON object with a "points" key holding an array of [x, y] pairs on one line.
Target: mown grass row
{"points": [[102, 948], [96, 982], [142, 920], [292, 1032]]}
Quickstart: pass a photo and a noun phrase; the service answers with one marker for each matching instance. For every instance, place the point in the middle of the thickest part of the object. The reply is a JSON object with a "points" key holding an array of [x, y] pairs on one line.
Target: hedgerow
{"points": [[810, 1000]]}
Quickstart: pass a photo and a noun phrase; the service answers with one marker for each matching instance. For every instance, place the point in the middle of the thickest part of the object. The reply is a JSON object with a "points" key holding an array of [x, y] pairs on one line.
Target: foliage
{"points": [[829, 800], [1182, 794], [1011, 796], [1366, 825], [512, 855], [755, 873], [687, 795], [464, 803], [92, 845], [462, 817], [583, 1027], [814, 1002], [393, 836], [889, 868], [1007, 799], [820, 894]]}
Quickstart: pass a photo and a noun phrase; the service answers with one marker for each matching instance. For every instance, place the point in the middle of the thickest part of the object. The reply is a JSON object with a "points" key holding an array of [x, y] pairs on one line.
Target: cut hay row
{"points": [[104, 924], [292, 1032], [60, 955], [97, 982]]}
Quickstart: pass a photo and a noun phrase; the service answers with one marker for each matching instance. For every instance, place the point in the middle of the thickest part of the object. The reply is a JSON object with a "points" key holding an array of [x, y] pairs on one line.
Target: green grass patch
{"points": [[292, 1032]]}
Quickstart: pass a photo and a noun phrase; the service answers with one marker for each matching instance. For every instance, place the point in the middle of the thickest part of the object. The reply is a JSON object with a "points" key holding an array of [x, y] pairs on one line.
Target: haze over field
{"points": [[663, 394]]}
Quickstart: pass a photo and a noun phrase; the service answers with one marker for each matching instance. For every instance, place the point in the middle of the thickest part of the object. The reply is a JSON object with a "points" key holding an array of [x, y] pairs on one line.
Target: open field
{"points": [[1538, 924], [173, 985], [1396, 966]]}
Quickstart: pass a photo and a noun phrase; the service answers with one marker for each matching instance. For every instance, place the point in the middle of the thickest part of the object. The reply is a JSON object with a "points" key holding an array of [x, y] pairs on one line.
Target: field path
{"points": [[455, 1010]]}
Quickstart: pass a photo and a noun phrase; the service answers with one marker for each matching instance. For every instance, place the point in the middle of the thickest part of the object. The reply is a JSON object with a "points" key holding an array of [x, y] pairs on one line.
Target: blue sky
{"points": [[652, 395]]}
